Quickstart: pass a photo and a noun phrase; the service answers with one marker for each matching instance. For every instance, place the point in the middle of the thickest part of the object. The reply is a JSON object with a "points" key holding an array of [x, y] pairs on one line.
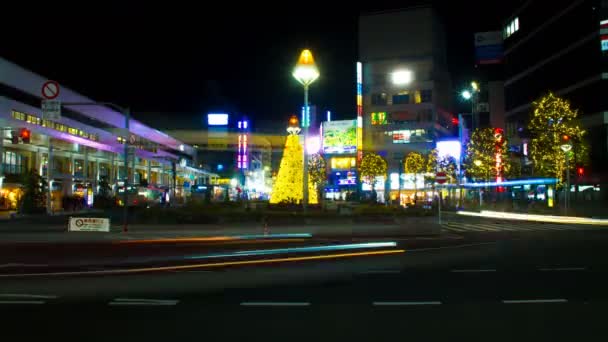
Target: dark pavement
{"points": [[533, 285]]}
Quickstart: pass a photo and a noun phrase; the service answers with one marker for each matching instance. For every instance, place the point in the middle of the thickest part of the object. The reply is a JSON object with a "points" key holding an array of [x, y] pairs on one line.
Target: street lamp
{"points": [[566, 147], [305, 72], [472, 95]]}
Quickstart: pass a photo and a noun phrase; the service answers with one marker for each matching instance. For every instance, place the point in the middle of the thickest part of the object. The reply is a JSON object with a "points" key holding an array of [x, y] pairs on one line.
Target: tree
{"points": [[34, 193], [317, 174], [552, 119], [448, 165], [288, 185], [372, 166], [414, 163], [481, 154]]}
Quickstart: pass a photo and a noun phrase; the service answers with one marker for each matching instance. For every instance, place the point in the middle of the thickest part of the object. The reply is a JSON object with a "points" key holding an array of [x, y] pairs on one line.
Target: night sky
{"points": [[173, 65]]}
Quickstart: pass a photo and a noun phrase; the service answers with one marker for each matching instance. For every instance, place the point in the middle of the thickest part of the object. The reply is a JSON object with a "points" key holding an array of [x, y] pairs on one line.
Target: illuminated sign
{"points": [[340, 136], [449, 148], [406, 136], [343, 163], [217, 119], [604, 34], [402, 136], [359, 111], [379, 118]]}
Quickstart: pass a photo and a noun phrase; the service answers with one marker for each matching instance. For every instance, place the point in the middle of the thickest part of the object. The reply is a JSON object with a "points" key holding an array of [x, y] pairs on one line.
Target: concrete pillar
{"points": [[49, 177], [85, 169], [149, 171], [70, 189]]}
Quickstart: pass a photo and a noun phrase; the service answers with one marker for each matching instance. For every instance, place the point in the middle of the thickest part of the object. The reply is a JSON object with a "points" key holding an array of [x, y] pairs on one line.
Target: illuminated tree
{"points": [[552, 120], [316, 173], [288, 185], [414, 163], [481, 155], [372, 166]]}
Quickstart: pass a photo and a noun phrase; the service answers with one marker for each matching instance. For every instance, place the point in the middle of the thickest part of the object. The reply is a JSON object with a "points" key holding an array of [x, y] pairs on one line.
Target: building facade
{"points": [[83, 147], [559, 48], [406, 87]]}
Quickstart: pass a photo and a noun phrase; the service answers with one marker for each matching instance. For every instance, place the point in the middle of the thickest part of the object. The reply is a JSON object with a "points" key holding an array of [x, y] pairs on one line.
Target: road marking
{"points": [[23, 295], [22, 265], [216, 264], [22, 302], [381, 272], [563, 269], [446, 247], [406, 303], [275, 304], [474, 270], [140, 301], [527, 301]]}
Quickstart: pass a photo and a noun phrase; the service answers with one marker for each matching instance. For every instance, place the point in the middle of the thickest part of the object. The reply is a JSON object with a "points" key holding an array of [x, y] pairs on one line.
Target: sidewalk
{"points": [[59, 233]]}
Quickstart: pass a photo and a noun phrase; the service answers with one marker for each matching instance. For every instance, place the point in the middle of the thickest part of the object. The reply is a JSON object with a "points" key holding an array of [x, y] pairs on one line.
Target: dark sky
{"points": [[172, 65]]}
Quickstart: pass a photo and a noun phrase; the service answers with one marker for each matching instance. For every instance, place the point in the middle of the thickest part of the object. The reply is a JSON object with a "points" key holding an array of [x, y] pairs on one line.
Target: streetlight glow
{"points": [[477, 162], [466, 94], [475, 86], [401, 77], [306, 70]]}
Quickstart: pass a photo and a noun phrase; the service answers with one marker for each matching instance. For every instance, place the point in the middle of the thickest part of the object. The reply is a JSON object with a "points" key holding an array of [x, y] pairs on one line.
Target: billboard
{"points": [[488, 47], [340, 136], [217, 119]]}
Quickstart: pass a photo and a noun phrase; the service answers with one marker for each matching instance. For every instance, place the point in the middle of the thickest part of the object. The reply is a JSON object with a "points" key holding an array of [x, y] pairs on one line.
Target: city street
{"points": [[535, 284]]}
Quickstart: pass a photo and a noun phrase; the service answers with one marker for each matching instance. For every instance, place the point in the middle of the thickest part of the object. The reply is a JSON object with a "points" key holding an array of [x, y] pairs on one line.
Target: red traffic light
{"points": [[580, 171], [454, 121], [25, 135]]}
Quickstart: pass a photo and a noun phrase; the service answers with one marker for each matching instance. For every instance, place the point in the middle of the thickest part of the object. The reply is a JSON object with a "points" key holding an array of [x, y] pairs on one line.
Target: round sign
{"points": [[50, 90], [441, 177], [79, 223]]}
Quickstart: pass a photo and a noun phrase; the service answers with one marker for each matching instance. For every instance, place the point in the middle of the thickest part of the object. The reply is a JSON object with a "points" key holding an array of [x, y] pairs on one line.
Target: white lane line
{"points": [[381, 272], [25, 295], [141, 304], [451, 247], [474, 270], [527, 301], [563, 269], [22, 302], [406, 303], [141, 301], [275, 304]]}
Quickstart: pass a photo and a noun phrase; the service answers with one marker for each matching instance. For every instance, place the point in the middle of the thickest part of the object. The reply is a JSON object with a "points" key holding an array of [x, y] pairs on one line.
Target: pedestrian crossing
{"points": [[510, 226]]}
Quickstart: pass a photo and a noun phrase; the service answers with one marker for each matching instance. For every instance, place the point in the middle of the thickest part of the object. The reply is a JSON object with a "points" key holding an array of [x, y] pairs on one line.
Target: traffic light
{"points": [[565, 138], [25, 135], [580, 171], [455, 121]]}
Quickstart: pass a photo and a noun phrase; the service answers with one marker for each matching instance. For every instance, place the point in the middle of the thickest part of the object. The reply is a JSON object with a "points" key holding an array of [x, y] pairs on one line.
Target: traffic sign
{"points": [[441, 177], [50, 90], [51, 110]]}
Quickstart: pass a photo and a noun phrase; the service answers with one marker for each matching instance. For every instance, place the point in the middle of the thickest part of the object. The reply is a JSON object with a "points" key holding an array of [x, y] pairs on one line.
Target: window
{"points": [[426, 95], [379, 118], [417, 97], [13, 163], [510, 28], [18, 115], [401, 99], [379, 99]]}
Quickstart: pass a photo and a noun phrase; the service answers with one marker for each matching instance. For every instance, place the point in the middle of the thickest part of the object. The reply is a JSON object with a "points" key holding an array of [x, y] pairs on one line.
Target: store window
{"points": [[14, 163], [426, 95], [379, 99], [401, 99]]}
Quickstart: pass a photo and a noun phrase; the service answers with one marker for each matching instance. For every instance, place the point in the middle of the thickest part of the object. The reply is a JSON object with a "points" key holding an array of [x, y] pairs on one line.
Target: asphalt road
{"points": [[532, 285]]}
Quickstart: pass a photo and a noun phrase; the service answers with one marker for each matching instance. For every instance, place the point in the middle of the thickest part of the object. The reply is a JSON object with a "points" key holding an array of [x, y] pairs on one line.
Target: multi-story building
{"points": [[83, 146], [406, 88], [559, 47]]}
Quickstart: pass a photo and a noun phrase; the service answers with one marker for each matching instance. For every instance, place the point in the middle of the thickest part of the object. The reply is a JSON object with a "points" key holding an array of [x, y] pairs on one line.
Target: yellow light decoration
{"points": [[288, 185]]}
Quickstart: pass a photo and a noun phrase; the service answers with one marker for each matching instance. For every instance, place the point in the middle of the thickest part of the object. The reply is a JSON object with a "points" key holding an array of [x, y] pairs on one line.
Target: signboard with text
{"points": [[51, 110], [89, 224], [340, 137]]}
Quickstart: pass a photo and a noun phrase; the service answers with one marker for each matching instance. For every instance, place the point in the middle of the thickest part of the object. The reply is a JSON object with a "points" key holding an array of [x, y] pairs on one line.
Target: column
{"points": [[49, 178], [96, 183], [149, 171], [85, 169], [73, 169], [111, 171]]}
